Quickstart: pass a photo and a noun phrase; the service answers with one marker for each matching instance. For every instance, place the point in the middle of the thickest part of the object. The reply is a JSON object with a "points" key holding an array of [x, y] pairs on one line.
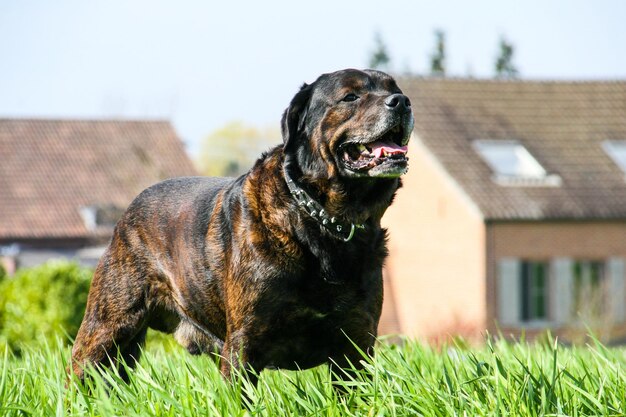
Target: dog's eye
{"points": [[350, 97]]}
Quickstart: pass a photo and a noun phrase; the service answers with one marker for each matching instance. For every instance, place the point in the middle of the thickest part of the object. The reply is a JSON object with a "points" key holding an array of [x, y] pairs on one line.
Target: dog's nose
{"points": [[398, 102]]}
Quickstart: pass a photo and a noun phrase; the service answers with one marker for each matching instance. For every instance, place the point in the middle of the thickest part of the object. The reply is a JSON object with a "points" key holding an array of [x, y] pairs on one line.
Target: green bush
{"points": [[39, 305]]}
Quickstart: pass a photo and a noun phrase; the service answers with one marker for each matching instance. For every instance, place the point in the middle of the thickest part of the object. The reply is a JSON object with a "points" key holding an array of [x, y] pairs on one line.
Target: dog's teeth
{"points": [[361, 148]]}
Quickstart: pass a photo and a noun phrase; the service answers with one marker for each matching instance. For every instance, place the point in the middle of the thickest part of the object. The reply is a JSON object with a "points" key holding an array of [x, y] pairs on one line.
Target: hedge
{"points": [[42, 304]]}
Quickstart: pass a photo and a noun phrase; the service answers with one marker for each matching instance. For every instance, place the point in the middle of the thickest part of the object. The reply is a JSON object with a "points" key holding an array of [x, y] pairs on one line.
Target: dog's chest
{"points": [[305, 337], [313, 322]]}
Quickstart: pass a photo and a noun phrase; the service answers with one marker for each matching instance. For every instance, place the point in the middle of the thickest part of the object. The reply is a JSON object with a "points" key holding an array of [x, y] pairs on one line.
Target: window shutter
{"points": [[509, 291], [616, 289], [562, 290]]}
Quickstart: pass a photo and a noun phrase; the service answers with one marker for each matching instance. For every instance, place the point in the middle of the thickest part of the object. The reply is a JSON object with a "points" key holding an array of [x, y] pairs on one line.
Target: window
{"points": [[523, 292], [560, 291], [616, 149], [100, 216], [534, 291], [588, 289], [512, 164]]}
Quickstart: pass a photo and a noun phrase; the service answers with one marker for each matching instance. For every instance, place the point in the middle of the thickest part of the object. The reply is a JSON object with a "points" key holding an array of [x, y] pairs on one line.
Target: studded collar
{"points": [[341, 230]]}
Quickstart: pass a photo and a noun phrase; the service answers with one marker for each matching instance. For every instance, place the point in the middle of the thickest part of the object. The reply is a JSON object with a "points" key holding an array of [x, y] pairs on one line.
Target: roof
{"points": [[51, 169], [562, 124]]}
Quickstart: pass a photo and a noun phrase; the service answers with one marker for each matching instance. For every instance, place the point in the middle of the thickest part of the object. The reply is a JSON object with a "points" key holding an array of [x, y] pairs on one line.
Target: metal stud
{"points": [[301, 203], [314, 213], [325, 222], [322, 213], [333, 220], [310, 203], [339, 228]]}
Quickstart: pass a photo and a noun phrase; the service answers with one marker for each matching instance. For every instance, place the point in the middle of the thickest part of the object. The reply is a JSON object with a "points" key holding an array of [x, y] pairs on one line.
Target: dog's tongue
{"points": [[380, 148]]}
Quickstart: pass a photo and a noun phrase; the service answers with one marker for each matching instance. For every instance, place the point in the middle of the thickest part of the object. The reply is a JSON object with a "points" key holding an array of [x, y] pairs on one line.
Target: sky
{"points": [[203, 64]]}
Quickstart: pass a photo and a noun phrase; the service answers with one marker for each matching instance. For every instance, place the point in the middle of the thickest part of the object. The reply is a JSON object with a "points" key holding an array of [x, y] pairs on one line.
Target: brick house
{"points": [[64, 183], [513, 213]]}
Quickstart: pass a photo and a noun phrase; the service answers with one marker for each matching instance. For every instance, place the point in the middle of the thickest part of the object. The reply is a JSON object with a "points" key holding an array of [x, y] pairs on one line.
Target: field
{"points": [[500, 378]]}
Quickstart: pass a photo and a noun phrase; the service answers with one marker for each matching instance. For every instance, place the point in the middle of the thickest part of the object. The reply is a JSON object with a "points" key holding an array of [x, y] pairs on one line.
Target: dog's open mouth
{"points": [[388, 149]]}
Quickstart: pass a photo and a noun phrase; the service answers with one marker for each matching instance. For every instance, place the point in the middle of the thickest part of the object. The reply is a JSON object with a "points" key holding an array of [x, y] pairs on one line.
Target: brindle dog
{"points": [[281, 267]]}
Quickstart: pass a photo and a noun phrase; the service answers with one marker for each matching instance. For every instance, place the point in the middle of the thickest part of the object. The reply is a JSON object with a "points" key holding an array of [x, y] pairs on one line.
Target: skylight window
{"points": [[616, 149], [512, 164]]}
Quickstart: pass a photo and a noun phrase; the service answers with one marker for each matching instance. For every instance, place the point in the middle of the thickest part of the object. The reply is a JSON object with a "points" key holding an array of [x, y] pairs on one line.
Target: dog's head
{"points": [[351, 124]]}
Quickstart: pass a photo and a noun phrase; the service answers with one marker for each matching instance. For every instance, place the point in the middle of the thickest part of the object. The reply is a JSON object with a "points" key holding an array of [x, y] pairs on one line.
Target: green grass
{"points": [[515, 379]]}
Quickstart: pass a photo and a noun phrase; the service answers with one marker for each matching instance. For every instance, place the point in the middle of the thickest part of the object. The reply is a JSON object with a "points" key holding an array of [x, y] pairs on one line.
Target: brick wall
{"points": [[546, 241], [436, 267], [574, 239]]}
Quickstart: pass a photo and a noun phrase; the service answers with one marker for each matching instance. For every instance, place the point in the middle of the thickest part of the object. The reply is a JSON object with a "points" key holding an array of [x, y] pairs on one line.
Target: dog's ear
{"points": [[294, 116]]}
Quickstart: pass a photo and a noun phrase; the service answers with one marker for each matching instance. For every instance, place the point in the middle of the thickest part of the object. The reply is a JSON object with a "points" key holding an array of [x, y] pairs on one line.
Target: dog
{"points": [[279, 268]]}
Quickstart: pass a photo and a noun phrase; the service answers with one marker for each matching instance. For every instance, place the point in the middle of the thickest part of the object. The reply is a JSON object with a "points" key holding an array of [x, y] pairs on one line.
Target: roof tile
{"points": [[51, 168], [562, 124]]}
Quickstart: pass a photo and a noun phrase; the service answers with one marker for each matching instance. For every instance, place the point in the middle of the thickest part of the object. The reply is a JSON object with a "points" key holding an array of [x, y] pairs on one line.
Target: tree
{"points": [[438, 58], [379, 58], [232, 149], [504, 62]]}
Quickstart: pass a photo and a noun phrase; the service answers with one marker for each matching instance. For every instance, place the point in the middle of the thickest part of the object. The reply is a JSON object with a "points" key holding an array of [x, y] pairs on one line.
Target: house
{"points": [[512, 217], [64, 183]]}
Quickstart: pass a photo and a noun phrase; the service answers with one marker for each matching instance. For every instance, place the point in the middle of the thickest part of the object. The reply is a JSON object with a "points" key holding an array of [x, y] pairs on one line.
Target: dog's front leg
{"points": [[348, 363], [235, 358]]}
